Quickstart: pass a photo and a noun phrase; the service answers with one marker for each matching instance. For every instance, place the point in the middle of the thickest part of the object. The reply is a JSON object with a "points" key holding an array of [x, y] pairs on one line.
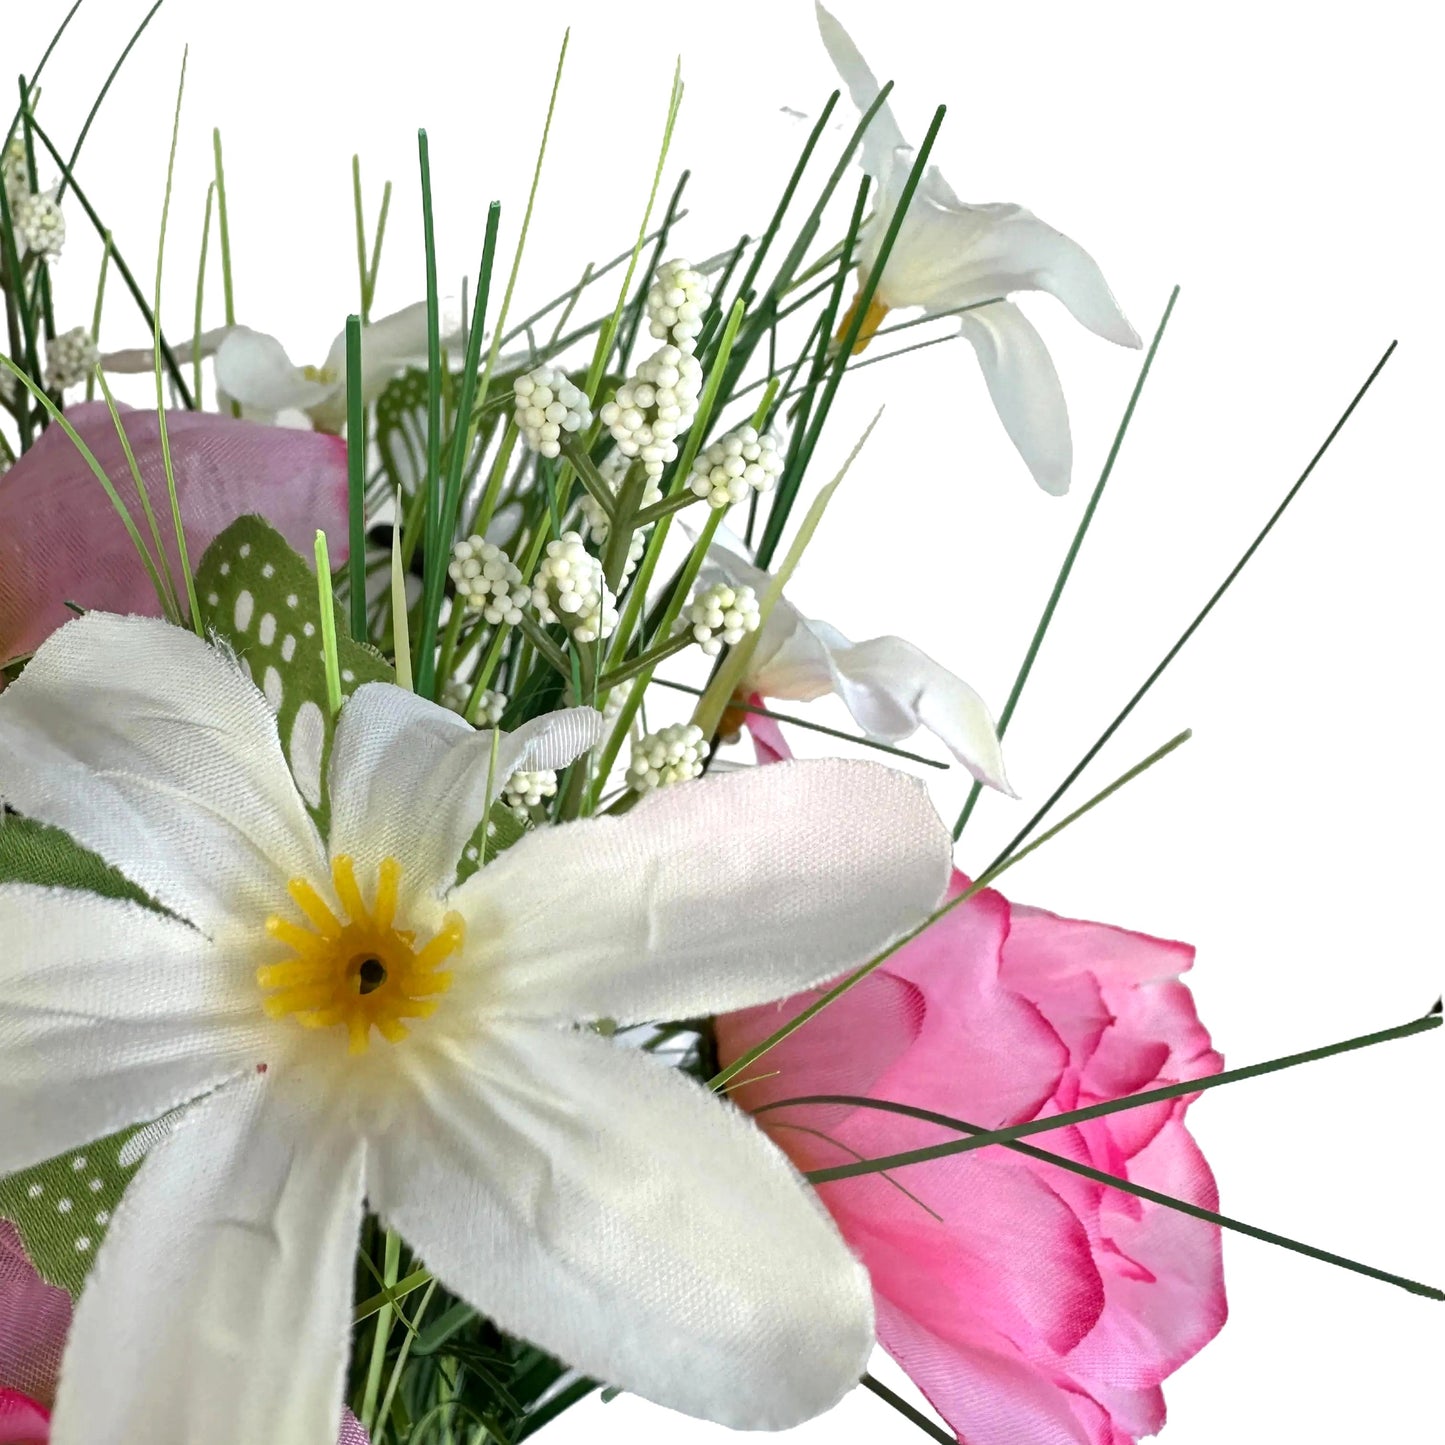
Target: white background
{"points": [[1278, 161]]}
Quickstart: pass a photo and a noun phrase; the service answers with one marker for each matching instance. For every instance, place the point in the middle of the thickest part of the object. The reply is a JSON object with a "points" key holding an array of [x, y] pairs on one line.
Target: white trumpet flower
{"points": [[345, 1023], [253, 369], [950, 254], [889, 685]]}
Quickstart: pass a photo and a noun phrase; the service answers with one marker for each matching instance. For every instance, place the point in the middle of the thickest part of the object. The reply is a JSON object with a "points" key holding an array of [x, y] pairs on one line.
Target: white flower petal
{"points": [[154, 750], [893, 689], [882, 139], [708, 896], [1025, 390], [409, 779], [142, 358], [220, 1304], [608, 1209], [110, 1014], [253, 369], [1012, 250]]}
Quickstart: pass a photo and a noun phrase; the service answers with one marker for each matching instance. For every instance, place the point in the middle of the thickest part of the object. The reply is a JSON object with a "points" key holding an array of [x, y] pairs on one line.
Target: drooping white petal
{"points": [[1012, 250], [110, 1014], [609, 1210], [707, 897], [220, 1303], [882, 140], [154, 750], [409, 779], [142, 358], [892, 688], [1025, 390], [254, 369]]}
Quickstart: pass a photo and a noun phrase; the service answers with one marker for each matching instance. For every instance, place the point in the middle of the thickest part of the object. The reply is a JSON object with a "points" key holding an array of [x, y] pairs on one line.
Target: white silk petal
{"points": [[1025, 390], [892, 688], [219, 1308], [708, 896], [154, 750], [1015, 251], [409, 779], [882, 139], [254, 369], [611, 1211], [111, 1014], [142, 358]]}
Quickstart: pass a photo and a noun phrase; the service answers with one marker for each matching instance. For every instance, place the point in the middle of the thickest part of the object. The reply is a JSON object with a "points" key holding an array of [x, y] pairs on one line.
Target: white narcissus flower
{"points": [[253, 369], [344, 1023], [950, 254], [890, 686]]}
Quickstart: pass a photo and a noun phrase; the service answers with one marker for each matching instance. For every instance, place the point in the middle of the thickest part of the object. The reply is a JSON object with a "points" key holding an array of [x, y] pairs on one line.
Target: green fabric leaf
{"points": [[500, 830], [63, 1207], [260, 598], [31, 852]]}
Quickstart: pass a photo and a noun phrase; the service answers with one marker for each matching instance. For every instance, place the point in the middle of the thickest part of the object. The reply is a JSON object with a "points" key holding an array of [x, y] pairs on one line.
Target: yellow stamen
{"points": [[872, 320], [359, 971]]}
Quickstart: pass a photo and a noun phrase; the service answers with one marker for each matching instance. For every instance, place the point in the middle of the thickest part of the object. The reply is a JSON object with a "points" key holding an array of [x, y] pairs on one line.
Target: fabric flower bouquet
{"points": [[420, 1006]]}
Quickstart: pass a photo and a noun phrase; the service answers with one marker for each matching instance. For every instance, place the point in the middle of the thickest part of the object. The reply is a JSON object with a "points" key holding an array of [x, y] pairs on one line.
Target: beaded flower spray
{"points": [[415, 1013]]}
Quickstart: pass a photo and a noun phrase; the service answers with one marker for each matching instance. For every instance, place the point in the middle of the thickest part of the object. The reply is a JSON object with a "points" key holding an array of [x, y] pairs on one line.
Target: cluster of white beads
{"points": [[490, 706], [569, 588], [39, 224], [675, 303], [735, 464], [721, 614], [612, 471], [524, 790], [548, 405], [70, 358], [654, 406], [671, 755], [15, 169], [487, 581]]}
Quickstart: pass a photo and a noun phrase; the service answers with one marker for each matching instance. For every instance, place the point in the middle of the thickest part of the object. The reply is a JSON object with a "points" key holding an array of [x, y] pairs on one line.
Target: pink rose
{"points": [[34, 1320], [61, 540], [1037, 1306]]}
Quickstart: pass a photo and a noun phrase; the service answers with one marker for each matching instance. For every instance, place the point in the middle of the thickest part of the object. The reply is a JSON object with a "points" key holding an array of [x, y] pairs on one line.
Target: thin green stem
{"points": [[329, 654], [915, 1417], [1051, 606], [201, 293], [99, 308], [1098, 744], [356, 477]]}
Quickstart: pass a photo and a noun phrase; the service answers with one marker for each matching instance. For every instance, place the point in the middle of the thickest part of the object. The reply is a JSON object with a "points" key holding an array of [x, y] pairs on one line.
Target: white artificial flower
{"points": [[890, 686], [950, 254], [253, 369], [347, 1025]]}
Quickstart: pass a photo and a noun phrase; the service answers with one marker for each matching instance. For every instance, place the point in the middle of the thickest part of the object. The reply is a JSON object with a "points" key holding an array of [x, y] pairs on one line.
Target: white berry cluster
{"points": [[15, 169], [654, 406], [70, 358], [721, 614], [671, 755], [569, 588], [487, 582], [548, 405], [39, 224], [735, 464], [524, 790], [612, 471], [490, 706], [675, 303]]}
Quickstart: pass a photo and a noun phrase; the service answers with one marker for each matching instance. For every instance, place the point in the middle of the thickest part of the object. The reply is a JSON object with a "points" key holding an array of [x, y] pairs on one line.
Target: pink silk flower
{"points": [[1031, 1306], [62, 541]]}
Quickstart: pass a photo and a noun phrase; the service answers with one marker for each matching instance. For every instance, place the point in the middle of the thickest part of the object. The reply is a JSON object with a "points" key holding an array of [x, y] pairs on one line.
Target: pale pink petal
{"points": [[22, 1420], [60, 539], [34, 1317]]}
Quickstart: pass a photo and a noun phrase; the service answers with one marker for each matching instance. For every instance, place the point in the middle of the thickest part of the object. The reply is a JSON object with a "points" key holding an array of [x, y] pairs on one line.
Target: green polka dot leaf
{"points": [[32, 852], [63, 1207], [259, 597]]}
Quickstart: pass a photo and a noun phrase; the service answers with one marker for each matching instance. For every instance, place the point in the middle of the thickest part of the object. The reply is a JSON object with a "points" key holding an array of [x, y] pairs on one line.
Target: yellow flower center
{"points": [[872, 320], [361, 972], [323, 374]]}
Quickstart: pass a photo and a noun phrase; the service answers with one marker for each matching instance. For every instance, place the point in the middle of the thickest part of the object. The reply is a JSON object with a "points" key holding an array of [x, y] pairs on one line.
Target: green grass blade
{"points": [[1098, 744], [355, 479], [1051, 606], [201, 293]]}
